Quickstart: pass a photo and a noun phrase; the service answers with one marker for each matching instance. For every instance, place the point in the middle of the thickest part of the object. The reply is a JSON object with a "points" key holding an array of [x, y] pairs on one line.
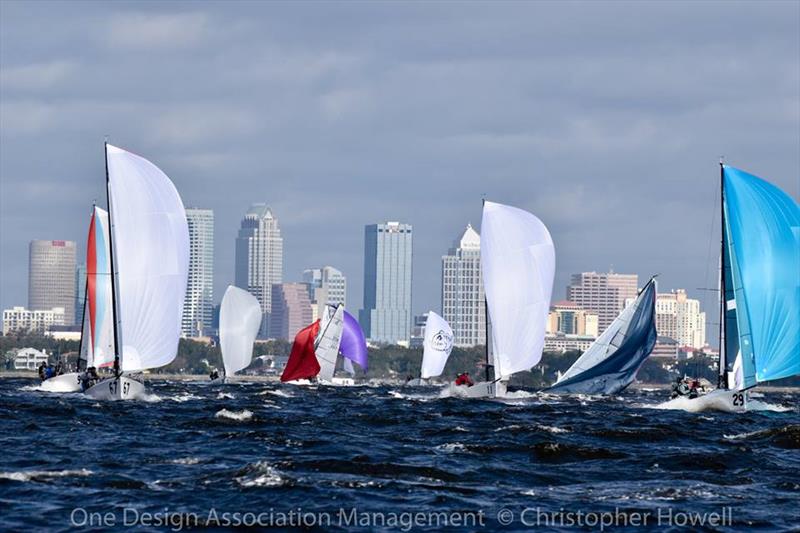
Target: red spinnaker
{"points": [[302, 363]]}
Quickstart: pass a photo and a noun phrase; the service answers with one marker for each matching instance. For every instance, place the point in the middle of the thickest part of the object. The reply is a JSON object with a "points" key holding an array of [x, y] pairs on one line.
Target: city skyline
{"points": [[616, 156]]}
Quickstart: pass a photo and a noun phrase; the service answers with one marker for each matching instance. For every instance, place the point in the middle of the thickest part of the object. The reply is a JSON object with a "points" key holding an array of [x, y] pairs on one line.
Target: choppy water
{"points": [[384, 458]]}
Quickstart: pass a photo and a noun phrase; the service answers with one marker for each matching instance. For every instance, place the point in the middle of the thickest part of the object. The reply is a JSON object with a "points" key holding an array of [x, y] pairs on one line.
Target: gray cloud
{"points": [[605, 119]]}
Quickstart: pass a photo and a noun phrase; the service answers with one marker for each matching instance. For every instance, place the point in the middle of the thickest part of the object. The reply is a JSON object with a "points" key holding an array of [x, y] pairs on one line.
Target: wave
{"points": [[259, 474], [225, 396], [43, 475], [783, 437], [718, 400], [239, 416], [279, 393]]}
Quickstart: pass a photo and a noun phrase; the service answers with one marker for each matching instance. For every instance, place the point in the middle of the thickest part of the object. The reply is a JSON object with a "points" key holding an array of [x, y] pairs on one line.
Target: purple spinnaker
{"points": [[353, 345]]}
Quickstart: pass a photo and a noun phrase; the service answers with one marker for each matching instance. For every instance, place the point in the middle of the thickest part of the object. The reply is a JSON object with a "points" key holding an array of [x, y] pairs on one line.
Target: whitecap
{"points": [[262, 475], [36, 475], [186, 461], [451, 447], [239, 416], [225, 396]]}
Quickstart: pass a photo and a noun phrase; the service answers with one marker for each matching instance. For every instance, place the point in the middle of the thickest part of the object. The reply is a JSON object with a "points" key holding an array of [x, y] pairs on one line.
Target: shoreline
{"points": [[31, 374]]}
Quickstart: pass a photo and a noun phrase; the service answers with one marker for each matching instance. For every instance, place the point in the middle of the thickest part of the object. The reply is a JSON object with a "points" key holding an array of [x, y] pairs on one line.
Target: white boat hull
{"points": [[482, 389], [64, 383], [121, 388], [729, 401], [342, 382]]}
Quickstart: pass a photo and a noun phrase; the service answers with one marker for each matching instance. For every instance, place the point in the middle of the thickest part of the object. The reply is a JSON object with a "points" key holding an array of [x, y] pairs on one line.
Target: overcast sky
{"points": [[606, 120]]}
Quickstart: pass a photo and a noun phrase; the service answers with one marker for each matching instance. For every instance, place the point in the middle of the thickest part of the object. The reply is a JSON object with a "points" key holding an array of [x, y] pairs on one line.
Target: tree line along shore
{"points": [[391, 363]]}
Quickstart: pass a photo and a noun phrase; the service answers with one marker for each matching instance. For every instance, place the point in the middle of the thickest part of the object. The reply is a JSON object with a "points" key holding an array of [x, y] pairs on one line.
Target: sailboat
{"points": [[96, 345], [760, 289], [610, 364], [518, 267], [437, 344], [149, 266], [316, 349], [239, 321]]}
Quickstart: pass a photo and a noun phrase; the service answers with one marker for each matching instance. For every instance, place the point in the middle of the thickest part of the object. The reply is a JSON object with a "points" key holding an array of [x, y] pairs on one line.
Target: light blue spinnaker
{"points": [[762, 234]]}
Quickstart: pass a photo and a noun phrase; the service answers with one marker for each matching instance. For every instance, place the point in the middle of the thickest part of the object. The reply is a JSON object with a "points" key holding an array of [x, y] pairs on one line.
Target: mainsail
{"points": [[239, 320], [353, 346], [302, 363], [518, 266], [437, 344], [327, 342], [151, 259], [761, 251], [97, 333], [610, 364]]}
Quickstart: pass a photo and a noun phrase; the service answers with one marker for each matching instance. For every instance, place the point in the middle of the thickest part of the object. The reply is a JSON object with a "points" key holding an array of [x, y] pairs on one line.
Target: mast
{"points": [[113, 272], [722, 378], [486, 317]]}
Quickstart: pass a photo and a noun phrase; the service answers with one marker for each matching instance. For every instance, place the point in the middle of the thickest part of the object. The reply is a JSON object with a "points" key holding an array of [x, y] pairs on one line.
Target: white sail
{"points": [[518, 266], [151, 259], [347, 365], [327, 343], [239, 321], [438, 343]]}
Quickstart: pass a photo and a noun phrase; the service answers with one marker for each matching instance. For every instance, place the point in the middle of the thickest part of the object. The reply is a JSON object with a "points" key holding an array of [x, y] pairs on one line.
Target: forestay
{"points": [[151, 258], [437, 344], [763, 243], [239, 321], [518, 266]]}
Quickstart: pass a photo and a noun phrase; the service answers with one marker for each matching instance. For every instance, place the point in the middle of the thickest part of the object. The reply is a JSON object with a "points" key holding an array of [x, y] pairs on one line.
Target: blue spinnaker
{"points": [[610, 364], [763, 242]]}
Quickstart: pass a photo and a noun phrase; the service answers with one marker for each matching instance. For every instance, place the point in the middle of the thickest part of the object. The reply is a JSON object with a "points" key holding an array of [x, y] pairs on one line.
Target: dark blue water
{"points": [[385, 459]]}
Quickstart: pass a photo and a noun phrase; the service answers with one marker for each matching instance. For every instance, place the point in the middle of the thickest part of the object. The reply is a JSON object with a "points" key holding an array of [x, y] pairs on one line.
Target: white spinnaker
{"points": [[518, 265], [438, 343], [607, 343], [102, 342], [239, 321], [151, 258], [327, 345]]}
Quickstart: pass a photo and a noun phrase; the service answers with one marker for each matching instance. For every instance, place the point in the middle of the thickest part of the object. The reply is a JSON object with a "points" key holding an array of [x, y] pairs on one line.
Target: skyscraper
{"points": [[326, 286], [259, 257], [679, 317], [386, 315], [199, 302], [51, 277], [603, 294], [291, 310], [462, 290]]}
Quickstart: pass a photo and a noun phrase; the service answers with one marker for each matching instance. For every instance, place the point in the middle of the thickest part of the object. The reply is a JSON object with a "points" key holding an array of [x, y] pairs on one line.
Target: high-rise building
{"points": [[80, 293], [259, 257], [326, 286], [19, 319], [386, 315], [603, 294], [51, 277], [679, 317], [570, 319], [199, 303], [291, 310], [463, 303]]}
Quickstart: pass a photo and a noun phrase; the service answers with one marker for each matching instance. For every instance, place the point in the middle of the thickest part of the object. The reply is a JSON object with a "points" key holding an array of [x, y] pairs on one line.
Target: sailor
{"points": [[42, 368], [680, 388], [464, 379], [89, 378], [59, 369], [214, 374]]}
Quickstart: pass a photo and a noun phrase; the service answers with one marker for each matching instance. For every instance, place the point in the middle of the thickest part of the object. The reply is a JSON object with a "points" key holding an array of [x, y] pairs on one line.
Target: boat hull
{"points": [[117, 388], [729, 401], [482, 389], [70, 382]]}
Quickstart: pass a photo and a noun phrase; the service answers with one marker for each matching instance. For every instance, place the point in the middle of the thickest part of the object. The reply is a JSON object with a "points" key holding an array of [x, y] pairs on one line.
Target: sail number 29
{"points": [[738, 399]]}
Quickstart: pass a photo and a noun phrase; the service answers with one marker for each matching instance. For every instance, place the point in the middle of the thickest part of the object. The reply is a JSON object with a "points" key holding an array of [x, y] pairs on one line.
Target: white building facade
{"points": [[326, 286], [603, 294], [679, 317], [462, 295], [199, 301], [259, 257], [21, 320]]}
